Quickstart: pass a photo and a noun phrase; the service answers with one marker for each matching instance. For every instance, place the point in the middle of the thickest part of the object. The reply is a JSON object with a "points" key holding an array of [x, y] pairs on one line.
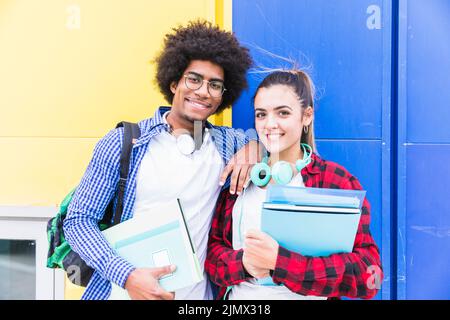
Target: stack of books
{"points": [[312, 221]]}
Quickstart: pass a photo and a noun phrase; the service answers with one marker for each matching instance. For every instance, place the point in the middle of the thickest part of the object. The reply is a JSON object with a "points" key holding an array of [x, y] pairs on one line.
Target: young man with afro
{"points": [[200, 71]]}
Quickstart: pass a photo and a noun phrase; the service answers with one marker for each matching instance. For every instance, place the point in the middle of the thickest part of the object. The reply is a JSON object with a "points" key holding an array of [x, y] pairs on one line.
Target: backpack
{"points": [[60, 254]]}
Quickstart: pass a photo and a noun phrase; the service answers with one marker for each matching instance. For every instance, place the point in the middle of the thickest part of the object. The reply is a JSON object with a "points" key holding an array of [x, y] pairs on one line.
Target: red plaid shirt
{"points": [[342, 274]]}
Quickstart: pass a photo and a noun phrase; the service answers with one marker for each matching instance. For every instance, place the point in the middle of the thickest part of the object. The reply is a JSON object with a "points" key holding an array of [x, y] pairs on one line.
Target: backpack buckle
{"points": [[122, 183]]}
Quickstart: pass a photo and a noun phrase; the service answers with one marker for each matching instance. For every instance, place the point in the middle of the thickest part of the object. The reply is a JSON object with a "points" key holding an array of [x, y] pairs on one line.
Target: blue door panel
{"points": [[333, 41], [427, 222], [428, 80], [423, 214]]}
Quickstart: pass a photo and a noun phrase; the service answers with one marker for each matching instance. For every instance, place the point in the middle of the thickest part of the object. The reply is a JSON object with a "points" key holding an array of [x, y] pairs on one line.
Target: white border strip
{"points": [[33, 212]]}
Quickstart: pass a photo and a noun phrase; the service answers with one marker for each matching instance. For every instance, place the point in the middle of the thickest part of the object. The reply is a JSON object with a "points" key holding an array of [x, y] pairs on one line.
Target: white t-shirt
{"points": [[247, 215], [166, 174]]}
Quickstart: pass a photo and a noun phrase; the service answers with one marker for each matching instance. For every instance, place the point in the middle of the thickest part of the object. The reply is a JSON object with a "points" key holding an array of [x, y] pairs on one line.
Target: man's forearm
{"points": [[86, 239]]}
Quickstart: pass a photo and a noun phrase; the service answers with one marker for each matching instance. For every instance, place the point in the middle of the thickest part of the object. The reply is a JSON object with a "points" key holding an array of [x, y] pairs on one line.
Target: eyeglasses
{"points": [[195, 81]]}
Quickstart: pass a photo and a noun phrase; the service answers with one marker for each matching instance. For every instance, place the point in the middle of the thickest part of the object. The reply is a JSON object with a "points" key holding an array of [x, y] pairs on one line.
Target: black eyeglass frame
{"points": [[189, 86]]}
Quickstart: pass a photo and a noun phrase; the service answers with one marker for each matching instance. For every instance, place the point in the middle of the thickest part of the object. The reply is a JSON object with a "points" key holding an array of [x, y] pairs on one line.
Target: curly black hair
{"points": [[200, 40]]}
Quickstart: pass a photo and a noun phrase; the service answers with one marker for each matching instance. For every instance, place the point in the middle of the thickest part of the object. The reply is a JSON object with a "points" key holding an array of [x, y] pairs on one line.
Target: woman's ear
{"points": [[173, 87], [308, 116]]}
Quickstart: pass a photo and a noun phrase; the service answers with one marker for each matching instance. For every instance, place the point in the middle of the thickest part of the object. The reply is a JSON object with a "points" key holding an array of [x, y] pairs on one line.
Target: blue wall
{"points": [[424, 150], [379, 113]]}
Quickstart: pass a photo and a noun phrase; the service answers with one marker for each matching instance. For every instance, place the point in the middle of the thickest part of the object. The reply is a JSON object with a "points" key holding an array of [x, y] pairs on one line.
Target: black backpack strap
{"points": [[131, 133]]}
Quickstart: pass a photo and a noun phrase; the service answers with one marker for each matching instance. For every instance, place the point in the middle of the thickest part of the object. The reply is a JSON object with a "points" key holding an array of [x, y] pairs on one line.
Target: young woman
{"points": [[239, 253]]}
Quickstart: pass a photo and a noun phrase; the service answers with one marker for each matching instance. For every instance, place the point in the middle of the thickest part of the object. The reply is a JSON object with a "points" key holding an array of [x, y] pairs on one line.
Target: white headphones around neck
{"points": [[185, 142]]}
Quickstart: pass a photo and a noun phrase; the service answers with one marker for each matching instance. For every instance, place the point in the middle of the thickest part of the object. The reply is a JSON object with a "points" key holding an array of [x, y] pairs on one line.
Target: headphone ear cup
{"points": [[260, 174], [282, 172], [185, 144]]}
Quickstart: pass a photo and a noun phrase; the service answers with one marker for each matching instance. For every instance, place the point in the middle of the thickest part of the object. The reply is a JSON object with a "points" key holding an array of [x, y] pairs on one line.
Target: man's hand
{"points": [[142, 284], [241, 164], [260, 250]]}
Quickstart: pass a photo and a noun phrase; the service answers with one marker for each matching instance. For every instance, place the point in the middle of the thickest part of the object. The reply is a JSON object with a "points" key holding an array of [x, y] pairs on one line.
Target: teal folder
{"points": [[312, 221], [157, 238]]}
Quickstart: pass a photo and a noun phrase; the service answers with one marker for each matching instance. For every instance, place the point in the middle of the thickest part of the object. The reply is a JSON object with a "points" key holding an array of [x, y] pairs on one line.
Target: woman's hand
{"points": [[240, 165], [260, 250], [255, 272]]}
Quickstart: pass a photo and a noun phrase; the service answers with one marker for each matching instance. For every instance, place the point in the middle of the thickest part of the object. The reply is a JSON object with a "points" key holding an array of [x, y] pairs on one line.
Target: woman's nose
{"points": [[271, 122]]}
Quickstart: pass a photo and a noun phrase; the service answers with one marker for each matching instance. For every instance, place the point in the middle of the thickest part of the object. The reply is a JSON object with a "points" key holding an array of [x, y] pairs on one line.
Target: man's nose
{"points": [[203, 90]]}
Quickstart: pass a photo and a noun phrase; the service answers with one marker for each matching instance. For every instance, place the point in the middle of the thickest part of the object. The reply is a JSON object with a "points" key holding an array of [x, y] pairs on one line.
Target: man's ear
{"points": [[173, 87]]}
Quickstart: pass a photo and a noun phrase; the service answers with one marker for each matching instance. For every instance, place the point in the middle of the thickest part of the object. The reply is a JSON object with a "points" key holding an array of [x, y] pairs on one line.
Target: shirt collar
{"points": [[159, 118], [314, 166]]}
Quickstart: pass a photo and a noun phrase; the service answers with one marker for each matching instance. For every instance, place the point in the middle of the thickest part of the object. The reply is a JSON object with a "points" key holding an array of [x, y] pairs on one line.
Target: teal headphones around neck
{"points": [[281, 171]]}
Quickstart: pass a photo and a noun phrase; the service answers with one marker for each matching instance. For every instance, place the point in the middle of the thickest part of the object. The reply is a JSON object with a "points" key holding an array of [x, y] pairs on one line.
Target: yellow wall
{"points": [[69, 71], [223, 15]]}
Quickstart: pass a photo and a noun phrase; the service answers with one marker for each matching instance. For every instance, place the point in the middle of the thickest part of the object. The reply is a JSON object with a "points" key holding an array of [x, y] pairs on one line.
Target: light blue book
{"points": [[157, 238], [309, 224], [321, 197]]}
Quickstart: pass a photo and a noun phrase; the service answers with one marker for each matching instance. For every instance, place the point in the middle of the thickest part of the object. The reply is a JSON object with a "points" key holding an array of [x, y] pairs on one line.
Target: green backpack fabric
{"points": [[60, 254]]}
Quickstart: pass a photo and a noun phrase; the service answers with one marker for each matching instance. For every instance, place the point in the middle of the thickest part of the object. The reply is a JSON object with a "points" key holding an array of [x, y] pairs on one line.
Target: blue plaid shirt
{"points": [[98, 186]]}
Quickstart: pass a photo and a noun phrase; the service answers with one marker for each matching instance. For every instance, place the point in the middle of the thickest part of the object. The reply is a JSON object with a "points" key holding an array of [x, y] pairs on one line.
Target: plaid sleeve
{"points": [[87, 207], [344, 274], [238, 138], [224, 264], [241, 138]]}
